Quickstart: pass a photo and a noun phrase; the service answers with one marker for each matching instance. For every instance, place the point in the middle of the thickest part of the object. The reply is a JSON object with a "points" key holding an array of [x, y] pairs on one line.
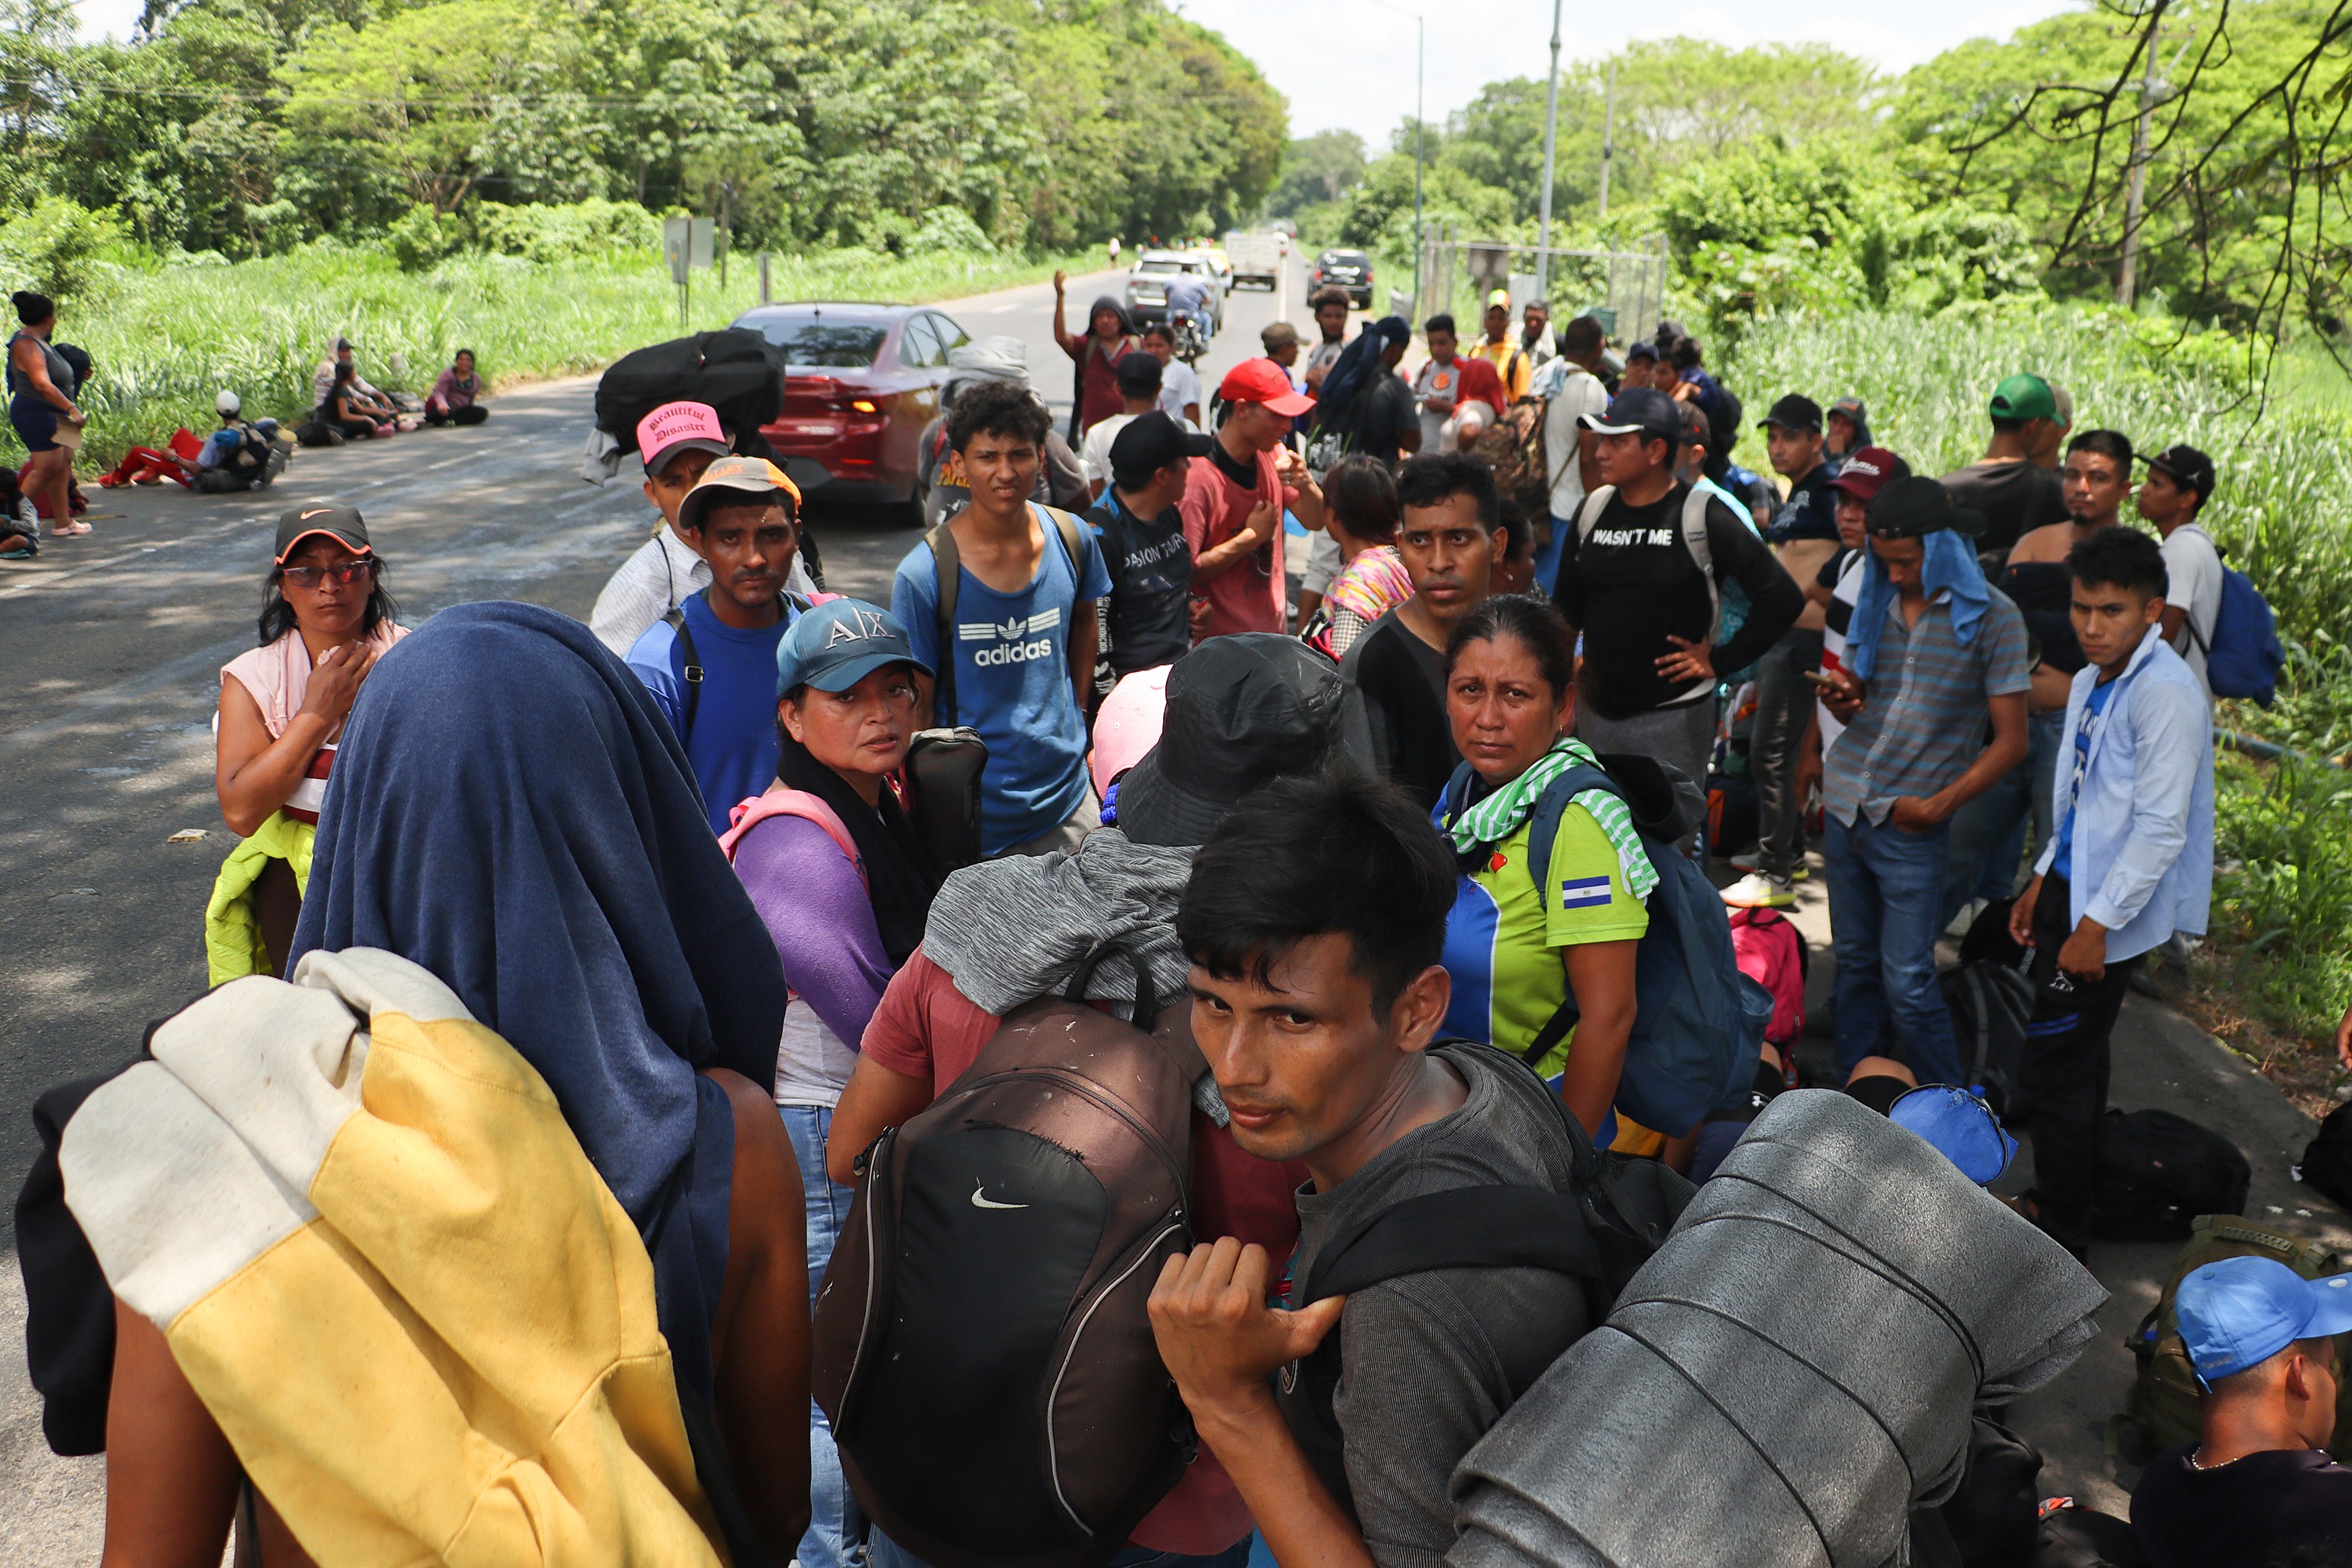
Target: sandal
{"points": [[63, 531]]}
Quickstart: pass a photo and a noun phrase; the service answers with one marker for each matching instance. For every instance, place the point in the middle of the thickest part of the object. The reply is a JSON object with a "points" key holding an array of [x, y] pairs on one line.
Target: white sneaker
{"points": [[1756, 890], [1746, 862]]}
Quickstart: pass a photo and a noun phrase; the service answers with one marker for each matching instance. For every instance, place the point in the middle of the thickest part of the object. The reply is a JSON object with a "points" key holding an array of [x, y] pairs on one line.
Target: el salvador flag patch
{"points": [[1584, 893]]}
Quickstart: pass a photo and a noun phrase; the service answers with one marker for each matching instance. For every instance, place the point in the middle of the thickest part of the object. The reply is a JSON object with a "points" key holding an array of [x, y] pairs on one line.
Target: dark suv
{"points": [[1348, 269]]}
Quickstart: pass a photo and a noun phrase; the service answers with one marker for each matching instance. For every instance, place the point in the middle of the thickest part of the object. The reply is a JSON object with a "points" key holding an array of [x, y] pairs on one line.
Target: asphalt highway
{"points": [[112, 642]]}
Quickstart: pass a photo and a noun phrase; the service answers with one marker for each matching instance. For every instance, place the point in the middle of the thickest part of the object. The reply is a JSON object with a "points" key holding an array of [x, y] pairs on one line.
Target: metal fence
{"points": [[1625, 288]]}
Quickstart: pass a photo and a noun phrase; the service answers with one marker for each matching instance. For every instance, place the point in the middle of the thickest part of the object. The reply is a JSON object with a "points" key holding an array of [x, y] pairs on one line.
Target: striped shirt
{"points": [[1923, 721], [664, 573]]}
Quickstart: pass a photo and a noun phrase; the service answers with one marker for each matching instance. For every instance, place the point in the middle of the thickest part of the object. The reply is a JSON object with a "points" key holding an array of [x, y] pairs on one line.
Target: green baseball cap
{"points": [[2023, 396]]}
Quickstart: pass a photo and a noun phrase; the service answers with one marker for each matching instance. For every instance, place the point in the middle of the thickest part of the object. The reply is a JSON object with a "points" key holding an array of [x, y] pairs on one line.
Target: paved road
{"points": [[113, 642]]}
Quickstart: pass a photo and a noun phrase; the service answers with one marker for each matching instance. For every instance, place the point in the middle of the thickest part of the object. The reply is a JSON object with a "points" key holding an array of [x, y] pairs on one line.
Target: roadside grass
{"points": [[165, 342], [2275, 972]]}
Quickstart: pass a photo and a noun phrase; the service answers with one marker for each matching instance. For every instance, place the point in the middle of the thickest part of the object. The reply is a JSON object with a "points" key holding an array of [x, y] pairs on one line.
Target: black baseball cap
{"points": [[341, 524], [1243, 711], [2190, 466], [1794, 413], [1644, 350], [1152, 441], [1137, 374], [1916, 506], [1644, 409]]}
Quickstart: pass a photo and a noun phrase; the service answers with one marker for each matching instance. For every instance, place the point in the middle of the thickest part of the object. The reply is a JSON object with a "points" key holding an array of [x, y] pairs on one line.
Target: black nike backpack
{"points": [[982, 1344]]}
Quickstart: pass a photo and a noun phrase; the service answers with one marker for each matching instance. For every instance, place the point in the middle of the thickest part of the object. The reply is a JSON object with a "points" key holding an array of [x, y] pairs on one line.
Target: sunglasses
{"points": [[307, 577]]}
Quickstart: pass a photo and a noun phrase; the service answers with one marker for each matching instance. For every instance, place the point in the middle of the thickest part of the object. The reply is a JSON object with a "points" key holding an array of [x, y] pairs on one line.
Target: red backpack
{"points": [[1771, 951]]}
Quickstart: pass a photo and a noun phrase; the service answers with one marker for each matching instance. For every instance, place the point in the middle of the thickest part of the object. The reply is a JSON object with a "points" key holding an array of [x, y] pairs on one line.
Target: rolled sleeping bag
{"points": [[1791, 1373]]}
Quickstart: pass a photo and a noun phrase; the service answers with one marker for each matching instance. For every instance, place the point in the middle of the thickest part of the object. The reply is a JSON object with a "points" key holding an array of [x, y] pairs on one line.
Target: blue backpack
{"points": [[1698, 1021], [2246, 656]]}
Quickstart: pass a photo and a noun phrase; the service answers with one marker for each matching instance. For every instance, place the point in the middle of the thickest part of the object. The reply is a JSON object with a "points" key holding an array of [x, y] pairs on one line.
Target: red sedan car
{"points": [[860, 383]]}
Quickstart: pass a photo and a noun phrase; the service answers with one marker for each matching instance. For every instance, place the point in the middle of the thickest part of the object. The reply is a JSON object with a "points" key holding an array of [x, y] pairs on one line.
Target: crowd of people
{"points": [[45, 379], [760, 885]]}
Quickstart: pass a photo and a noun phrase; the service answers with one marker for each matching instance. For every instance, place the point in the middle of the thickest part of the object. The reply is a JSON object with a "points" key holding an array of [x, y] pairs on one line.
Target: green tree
{"points": [[1319, 168]]}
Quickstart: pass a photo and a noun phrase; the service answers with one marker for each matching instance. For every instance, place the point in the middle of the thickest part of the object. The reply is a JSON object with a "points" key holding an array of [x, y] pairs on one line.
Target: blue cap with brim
{"points": [[840, 642], [2241, 1312], [1960, 1125]]}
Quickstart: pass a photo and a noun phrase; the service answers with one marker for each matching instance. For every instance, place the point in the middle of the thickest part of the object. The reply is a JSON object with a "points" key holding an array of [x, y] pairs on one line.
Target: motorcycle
{"points": [[1190, 343]]}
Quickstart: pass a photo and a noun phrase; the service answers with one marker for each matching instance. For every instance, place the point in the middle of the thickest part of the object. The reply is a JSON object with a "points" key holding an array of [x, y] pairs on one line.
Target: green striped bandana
{"points": [[1498, 816]]}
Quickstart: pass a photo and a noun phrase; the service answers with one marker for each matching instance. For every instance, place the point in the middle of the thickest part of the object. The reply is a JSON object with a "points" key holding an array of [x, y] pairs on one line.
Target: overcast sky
{"points": [[1348, 64]]}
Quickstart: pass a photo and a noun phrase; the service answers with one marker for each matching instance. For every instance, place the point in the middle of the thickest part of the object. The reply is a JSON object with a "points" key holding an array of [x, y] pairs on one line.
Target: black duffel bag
{"points": [[2158, 1172], [736, 371]]}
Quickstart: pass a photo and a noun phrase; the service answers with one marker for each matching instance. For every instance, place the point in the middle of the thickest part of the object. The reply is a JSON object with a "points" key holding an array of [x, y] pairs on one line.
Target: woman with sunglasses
{"points": [[325, 619]]}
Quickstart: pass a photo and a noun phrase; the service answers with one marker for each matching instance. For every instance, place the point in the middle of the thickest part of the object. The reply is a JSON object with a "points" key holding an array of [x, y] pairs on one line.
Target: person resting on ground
{"points": [[1314, 919], [454, 392], [842, 882], [176, 460], [2256, 1487], [578, 1340], [346, 410], [19, 537], [325, 621]]}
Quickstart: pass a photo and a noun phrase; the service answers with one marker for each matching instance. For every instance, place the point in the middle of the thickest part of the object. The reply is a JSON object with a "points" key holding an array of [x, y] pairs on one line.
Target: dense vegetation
{"points": [[250, 126]]}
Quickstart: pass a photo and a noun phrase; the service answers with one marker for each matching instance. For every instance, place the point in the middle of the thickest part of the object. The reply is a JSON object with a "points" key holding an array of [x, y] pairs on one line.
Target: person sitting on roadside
{"points": [[1241, 711], [1393, 715], [710, 665], [1142, 534], [176, 460], [344, 409], [843, 884], [1316, 920], [1138, 390], [2256, 1486], [19, 539], [322, 379], [621, 961], [325, 621], [2131, 862], [1360, 513], [1018, 660], [1539, 961], [1061, 474], [455, 393]]}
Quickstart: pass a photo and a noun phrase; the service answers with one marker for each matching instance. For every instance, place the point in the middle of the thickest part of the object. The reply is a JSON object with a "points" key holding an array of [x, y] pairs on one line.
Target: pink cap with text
{"points": [[677, 427]]}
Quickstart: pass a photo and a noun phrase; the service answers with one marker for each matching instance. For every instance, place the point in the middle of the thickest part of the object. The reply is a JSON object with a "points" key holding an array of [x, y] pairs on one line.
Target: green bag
{"points": [[2163, 1396]]}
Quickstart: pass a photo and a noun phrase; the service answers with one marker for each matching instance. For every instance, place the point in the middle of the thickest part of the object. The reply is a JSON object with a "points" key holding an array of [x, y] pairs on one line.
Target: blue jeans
{"points": [[1885, 888], [1989, 833], [837, 1526], [889, 1554]]}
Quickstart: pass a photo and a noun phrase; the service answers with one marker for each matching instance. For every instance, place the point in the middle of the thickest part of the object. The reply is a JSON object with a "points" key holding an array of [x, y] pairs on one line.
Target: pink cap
{"points": [[677, 427], [1128, 724]]}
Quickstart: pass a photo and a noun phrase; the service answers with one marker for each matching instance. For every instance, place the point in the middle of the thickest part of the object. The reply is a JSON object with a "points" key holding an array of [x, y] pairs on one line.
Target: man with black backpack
{"points": [[711, 663], [1001, 600], [1314, 919]]}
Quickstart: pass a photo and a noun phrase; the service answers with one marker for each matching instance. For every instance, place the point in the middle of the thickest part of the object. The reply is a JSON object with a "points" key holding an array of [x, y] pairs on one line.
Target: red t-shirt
{"points": [[1100, 397], [1251, 596], [925, 1028]]}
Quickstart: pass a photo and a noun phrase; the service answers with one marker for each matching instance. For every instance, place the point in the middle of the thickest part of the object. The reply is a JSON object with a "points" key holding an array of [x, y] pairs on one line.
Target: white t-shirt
{"points": [[1847, 593], [1178, 386], [1582, 395], [2194, 570], [1437, 381], [1094, 453], [1324, 354]]}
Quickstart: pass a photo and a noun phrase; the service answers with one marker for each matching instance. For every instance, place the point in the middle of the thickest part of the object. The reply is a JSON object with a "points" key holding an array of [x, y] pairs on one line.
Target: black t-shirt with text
{"points": [[2255, 1511], [1151, 576], [1633, 583]]}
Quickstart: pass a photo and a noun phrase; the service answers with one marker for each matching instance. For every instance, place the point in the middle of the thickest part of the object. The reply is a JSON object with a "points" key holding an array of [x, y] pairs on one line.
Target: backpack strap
{"points": [[948, 567], [1461, 1228], [691, 671], [1543, 833], [779, 801], [1701, 554], [1147, 997], [1594, 504]]}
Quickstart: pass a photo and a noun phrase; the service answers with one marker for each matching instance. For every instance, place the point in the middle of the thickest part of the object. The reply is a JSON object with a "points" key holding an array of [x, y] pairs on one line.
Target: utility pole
{"points": [[2136, 182], [1608, 134], [1420, 138], [1551, 142]]}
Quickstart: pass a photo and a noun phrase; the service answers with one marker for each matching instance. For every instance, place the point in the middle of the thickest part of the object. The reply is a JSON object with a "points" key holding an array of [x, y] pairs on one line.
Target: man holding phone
{"points": [[1932, 649]]}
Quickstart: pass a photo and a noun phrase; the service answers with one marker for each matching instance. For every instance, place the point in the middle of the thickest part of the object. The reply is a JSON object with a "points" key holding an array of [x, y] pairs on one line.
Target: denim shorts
{"points": [[36, 422]]}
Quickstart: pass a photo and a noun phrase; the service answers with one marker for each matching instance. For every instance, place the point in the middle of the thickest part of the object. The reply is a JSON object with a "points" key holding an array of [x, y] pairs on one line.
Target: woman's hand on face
{"points": [[335, 681]]}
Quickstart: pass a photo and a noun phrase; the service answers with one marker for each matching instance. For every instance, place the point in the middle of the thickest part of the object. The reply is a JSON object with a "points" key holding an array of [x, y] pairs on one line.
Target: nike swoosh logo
{"points": [[320, 513], [980, 1201]]}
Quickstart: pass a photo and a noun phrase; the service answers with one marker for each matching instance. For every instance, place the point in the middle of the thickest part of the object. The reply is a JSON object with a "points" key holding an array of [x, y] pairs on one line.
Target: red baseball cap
{"points": [[1869, 471], [1263, 380]]}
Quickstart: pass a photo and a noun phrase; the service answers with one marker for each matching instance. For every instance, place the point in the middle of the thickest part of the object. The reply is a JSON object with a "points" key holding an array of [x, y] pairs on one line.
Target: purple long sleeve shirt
{"points": [[817, 910]]}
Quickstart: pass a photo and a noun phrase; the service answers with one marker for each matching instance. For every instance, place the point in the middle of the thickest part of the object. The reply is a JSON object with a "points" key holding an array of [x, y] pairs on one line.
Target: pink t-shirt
{"points": [[278, 678], [1251, 596], [925, 1028]]}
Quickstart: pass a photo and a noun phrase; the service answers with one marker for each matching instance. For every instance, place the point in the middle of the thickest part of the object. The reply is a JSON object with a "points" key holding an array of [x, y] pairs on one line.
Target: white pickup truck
{"points": [[1258, 258]]}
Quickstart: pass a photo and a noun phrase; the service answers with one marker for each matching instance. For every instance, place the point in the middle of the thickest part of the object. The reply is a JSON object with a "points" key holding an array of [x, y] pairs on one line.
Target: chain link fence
{"points": [[1625, 288]]}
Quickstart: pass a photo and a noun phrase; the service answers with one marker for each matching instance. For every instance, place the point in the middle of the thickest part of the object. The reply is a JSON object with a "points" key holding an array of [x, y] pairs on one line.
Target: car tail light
{"points": [[863, 405]]}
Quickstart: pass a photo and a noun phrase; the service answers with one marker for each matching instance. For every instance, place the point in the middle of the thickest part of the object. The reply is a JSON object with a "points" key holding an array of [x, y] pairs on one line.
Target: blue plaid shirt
{"points": [[1923, 721]]}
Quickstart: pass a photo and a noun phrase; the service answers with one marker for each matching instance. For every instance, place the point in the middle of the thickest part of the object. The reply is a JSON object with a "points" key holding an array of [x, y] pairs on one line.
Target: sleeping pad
{"points": [[1791, 1373]]}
